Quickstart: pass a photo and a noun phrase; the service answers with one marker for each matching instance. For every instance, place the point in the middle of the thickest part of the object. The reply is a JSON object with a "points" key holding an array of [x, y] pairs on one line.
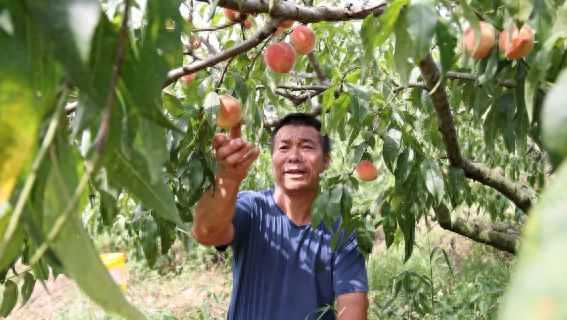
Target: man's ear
{"points": [[327, 160]]}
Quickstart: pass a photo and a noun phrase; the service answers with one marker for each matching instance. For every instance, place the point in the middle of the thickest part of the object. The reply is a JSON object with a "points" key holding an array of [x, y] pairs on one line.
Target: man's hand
{"points": [[234, 155]]}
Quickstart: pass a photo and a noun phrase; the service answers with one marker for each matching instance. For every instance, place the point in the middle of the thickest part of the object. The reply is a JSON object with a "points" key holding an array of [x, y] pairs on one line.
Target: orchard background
{"points": [[99, 128]]}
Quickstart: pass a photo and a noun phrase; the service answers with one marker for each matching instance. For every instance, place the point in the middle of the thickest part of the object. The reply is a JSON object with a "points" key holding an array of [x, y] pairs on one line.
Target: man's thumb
{"points": [[235, 132]]}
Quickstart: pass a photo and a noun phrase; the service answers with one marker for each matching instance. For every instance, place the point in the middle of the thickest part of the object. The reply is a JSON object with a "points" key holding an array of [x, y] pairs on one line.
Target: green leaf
{"points": [[506, 109], [14, 245], [72, 245], [406, 220], [211, 106], [27, 288], [447, 42], [389, 224], [489, 67], [538, 288], [403, 50], [132, 173], [148, 237], [404, 164], [375, 31], [422, 20], [153, 148], [71, 25], [9, 298], [433, 179], [554, 119], [19, 120], [520, 10], [457, 184], [391, 147]]}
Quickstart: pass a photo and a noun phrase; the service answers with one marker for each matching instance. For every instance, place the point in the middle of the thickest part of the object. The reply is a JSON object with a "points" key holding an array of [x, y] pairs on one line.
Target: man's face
{"points": [[298, 159]]}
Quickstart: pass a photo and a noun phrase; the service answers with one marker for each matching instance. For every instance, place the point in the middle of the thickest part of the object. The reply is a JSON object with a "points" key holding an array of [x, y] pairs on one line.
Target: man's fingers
{"points": [[229, 148], [235, 132], [218, 140], [248, 159], [234, 158]]}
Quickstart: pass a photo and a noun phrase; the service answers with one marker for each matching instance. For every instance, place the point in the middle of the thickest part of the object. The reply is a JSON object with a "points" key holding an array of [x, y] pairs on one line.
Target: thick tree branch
{"points": [[431, 75], [519, 194], [304, 14], [243, 46], [505, 237]]}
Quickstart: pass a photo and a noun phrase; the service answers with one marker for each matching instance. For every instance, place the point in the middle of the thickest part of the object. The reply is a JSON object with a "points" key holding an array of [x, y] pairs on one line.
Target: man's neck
{"points": [[296, 205]]}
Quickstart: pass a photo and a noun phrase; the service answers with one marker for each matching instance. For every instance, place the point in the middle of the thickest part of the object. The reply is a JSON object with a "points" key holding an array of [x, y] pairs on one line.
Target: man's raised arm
{"points": [[214, 211]]}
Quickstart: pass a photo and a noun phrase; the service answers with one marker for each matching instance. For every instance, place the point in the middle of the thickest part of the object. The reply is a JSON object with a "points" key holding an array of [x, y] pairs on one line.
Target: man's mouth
{"points": [[294, 172]]}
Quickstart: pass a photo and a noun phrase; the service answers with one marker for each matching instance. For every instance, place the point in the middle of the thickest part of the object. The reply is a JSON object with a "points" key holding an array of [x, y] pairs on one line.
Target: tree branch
{"points": [[521, 195], [292, 11], [317, 68], [507, 83], [505, 238], [243, 46], [436, 89]]}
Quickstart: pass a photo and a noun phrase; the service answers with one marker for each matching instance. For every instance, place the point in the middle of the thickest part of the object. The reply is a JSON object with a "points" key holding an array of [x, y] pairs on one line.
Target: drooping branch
{"points": [[243, 46], [317, 68], [304, 14], [505, 238], [519, 194], [215, 28], [507, 83]]}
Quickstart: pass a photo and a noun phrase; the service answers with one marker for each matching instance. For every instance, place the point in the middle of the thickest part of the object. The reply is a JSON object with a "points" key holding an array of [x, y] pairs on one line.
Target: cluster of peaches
{"points": [[280, 57], [515, 46]]}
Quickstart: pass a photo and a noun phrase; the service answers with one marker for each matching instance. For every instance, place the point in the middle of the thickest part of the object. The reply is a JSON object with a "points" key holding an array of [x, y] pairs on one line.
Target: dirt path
{"points": [[189, 295]]}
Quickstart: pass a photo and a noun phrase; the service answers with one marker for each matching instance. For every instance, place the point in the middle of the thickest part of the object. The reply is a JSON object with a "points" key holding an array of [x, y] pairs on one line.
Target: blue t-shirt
{"points": [[285, 271]]}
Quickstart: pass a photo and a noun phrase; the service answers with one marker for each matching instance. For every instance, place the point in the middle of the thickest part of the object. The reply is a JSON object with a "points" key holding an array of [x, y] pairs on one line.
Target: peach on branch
{"points": [[366, 170], [233, 15], [188, 78], [519, 44], [485, 42], [247, 23], [229, 112], [303, 39], [195, 41], [280, 57]]}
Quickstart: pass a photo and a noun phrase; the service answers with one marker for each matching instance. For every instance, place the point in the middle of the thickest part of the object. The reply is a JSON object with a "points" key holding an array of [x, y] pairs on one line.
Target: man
{"points": [[283, 267]]}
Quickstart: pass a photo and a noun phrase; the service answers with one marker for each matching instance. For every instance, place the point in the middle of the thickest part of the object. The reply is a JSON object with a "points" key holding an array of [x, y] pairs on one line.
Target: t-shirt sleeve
{"points": [[349, 269], [242, 218]]}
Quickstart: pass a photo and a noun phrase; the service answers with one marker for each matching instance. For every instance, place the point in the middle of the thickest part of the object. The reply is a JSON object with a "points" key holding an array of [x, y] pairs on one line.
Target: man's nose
{"points": [[294, 154]]}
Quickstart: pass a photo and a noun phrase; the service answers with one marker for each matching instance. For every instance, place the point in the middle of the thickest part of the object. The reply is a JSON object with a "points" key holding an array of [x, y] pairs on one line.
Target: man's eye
{"points": [[307, 147], [284, 147]]}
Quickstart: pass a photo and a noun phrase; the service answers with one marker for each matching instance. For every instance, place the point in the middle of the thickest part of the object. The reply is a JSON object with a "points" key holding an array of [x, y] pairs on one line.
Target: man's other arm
{"points": [[214, 211], [352, 306]]}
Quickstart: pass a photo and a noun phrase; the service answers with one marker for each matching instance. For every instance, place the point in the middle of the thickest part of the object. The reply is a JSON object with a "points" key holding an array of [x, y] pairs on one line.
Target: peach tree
{"points": [[106, 100]]}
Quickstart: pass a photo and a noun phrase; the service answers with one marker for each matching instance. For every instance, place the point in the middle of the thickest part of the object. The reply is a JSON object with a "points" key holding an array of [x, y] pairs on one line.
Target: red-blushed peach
{"points": [[188, 78], [229, 112], [520, 44], [366, 171], [280, 57], [485, 43], [303, 39]]}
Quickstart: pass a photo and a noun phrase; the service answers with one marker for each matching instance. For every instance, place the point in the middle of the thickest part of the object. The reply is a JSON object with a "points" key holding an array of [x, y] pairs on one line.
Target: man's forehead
{"points": [[299, 132]]}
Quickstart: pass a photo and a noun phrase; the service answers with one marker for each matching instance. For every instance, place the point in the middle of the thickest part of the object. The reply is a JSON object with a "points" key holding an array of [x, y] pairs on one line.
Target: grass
{"points": [[196, 284], [463, 285]]}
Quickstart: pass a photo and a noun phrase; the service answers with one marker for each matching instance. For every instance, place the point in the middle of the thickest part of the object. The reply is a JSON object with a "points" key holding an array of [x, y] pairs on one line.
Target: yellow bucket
{"points": [[115, 263]]}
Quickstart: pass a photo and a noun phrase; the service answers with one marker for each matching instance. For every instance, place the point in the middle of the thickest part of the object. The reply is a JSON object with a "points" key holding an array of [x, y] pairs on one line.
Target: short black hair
{"points": [[301, 119]]}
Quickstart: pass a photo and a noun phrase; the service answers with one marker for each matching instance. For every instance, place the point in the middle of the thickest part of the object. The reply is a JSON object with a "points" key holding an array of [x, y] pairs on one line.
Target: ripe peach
{"points": [[486, 40], [229, 112], [366, 170], [280, 57], [232, 15], [195, 41], [520, 44], [303, 39], [247, 24], [283, 26], [188, 78]]}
